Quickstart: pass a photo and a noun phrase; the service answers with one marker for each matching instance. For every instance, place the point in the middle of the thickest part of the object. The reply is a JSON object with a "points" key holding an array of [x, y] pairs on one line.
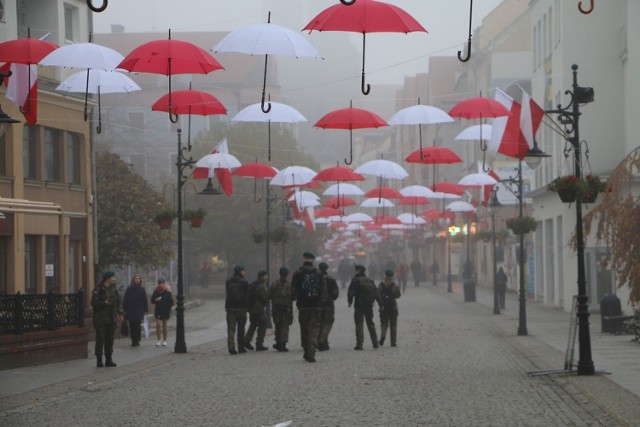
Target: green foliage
{"points": [[522, 225], [193, 213], [164, 214], [126, 205]]}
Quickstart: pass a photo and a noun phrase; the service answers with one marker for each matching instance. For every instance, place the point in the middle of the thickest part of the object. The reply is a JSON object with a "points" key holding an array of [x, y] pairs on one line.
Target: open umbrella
{"points": [[350, 118], [383, 169], [279, 113], [411, 219], [475, 133], [339, 174], [214, 161], [339, 202], [433, 155], [267, 39], [416, 190], [377, 203], [447, 187], [477, 180], [365, 16], [255, 170], [345, 189], [358, 217], [383, 192], [96, 81], [293, 176], [169, 57], [420, 115]]}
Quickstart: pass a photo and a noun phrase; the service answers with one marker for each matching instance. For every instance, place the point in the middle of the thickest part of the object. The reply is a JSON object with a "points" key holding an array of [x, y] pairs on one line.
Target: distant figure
{"points": [[362, 294], [258, 300], [435, 271], [344, 272], [107, 309], [389, 291], [205, 275], [416, 270], [402, 274], [163, 301], [328, 307], [135, 307], [236, 304], [501, 286], [281, 296]]}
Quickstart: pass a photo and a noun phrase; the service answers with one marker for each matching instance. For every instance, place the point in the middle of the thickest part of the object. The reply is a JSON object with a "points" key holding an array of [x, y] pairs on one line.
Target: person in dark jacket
{"points": [[236, 304], [135, 307], [281, 296], [362, 294], [309, 303], [258, 300], [416, 270], [389, 292], [163, 301], [107, 310], [501, 286], [328, 307]]}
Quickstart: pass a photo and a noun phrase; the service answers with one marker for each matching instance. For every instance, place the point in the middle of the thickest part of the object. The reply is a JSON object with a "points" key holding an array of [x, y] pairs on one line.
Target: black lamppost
{"points": [[449, 289], [568, 117], [493, 205]]}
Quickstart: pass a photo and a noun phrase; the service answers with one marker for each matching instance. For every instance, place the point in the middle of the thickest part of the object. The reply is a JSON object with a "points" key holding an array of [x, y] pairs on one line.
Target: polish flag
{"points": [[531, 115], [19, 91], [505, 134], [223, 175], [309, 219]]}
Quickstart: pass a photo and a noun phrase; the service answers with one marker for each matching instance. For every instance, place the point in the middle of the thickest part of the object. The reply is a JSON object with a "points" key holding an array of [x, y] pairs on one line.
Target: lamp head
{"points": [[210, 190], [584, 95], [5, 121], [534, 156]]}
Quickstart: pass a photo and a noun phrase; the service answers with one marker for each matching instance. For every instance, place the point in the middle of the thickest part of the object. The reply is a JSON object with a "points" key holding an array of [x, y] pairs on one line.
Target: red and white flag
{"points": [[223, 175], [309, 219], [531, 115], [19, 91]]}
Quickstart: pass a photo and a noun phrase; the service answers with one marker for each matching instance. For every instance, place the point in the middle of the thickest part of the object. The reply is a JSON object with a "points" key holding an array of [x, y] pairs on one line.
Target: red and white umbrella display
{"points": [[420, 115]]}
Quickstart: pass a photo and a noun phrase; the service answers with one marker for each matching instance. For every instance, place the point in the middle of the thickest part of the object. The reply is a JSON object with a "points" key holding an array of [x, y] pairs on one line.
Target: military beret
{"points": [[284, 271], [262, 273], [323, 266], [238, 268], [108, 274], [388, 273], [360, 267], [308, 255]]}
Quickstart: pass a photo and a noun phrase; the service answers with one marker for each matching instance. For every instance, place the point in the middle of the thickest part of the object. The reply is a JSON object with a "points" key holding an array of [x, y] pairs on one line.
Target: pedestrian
{"points": [[205, 275], [163, 301], [416, 270], [107, 310], [402, 272], [362, 294], [435, 271], [328, 307], [236, 304], [258, 300], [135, 305], [501, 286], [309, 289], [281, 297], [344, 272], [389, 292]]}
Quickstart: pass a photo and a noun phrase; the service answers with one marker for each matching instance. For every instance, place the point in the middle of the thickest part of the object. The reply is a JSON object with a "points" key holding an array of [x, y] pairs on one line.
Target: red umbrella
{"points": [[365, 16], [339, 174], [386, 220], [350, 118], [413, 200], [433, 155], [339, 201], [448, 187], [169, 57], [326, 212], [255, 170], [383, 192]]}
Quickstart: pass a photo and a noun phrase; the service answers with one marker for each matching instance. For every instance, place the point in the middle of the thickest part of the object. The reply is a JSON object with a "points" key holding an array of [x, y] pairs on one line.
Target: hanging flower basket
{"points": [[569, 188], [522, 225], [568, 195], [195, 217], [485, 236], [280, 235], [257, 236], [595, 186], [164, 218]]}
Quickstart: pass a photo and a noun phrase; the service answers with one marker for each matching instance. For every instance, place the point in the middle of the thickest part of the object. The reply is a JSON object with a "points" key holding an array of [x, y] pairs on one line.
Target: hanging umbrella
{"points": [[447, 187], [420, 115], [413, 200], [433, 155], [169, 57], [279, 113], [213, 161], [383, 169], [267, 39], [23, 55], [386, 220], [327, 212], [345, 189], [255, 170], [477, 180], [460, 206], [365, 16], [304, 199], [386, 192], [377, 203], [475, 133], [409, 218], [339, 202], [358, 217], [293, 176], [339, 174], [416, 190], [98, 82], [350, 118]]}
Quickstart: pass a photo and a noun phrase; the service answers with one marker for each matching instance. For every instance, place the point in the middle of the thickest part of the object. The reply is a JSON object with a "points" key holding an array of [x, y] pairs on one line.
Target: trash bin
{"points": [[610, 306], [469, 288]]}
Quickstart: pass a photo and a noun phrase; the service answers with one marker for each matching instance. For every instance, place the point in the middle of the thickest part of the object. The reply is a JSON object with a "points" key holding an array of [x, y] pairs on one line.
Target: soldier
{"points": [[309, 287], [107, 310], [281, 297], [236, 305], [258, 300], [328, 307], [389, 291], [362, 294]]}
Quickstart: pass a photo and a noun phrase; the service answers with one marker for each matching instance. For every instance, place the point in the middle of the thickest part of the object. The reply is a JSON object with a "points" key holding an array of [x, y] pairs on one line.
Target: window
{"points": [[51, 155], [51, 262], [30, 264], [73, 158], [70, 22], [29, 151]]}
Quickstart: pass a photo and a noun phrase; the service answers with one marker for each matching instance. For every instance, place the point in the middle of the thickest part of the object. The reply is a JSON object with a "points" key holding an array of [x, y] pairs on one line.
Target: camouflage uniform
{"points": [[309, 309], [328, 311], [257, 315], [107, 306], [236, 305], [281, 296], [389, 291], [363, 297]]}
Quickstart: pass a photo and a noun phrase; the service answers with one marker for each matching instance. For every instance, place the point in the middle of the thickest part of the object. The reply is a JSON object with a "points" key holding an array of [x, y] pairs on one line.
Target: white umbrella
{"points": [[476, 132], [83, 55], [477, 180], [377, 203], [409, 218], [97, 82], [460, 206], [280, 113], [383, 169], [218, 161], [344, 189], [305, 197], [358, 217], [293, 176], [417, 191], [420, 115], [267, 39]]}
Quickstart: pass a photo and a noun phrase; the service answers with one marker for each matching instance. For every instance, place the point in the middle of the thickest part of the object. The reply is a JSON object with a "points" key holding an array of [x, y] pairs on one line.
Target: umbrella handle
{"points": [[348, 3], [105, 3], [469, 40], [580, 8], [173, 118], [365, 88], [488, 168], [350, 149]]}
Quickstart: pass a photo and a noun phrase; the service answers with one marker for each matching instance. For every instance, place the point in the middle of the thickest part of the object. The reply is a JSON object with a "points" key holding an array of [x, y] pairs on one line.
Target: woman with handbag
{"points": [[163, 301], [135, 307]]}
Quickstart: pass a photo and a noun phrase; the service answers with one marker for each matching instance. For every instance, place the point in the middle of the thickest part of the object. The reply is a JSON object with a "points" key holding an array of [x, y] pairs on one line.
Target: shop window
{"points": [[73, 158], [52, 155], [51, 264], [30, 264]]}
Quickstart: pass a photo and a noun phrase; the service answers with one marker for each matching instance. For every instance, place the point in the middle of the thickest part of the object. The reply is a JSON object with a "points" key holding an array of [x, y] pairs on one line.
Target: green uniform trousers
{"points": [[105, 333], [257, 321], [236, 321], [326, 323], [359, 317], [282, 318], [309, 319], [389, 319]]}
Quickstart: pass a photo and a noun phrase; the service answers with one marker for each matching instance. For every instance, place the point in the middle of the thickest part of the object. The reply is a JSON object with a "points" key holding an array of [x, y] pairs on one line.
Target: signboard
{"points": [[48, 270]]}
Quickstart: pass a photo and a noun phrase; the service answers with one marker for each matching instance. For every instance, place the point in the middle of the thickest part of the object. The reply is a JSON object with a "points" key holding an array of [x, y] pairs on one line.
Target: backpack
{"points": [[367, 291], [234, 293], [311, 285], [387, 297], [253, 294]]}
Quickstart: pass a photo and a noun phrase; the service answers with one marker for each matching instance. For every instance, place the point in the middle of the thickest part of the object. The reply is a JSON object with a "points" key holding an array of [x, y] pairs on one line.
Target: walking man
{"points": [[328, 307], [236, 304], [389, 292], [107, 310], [362, 294], [258, 300], [309, 288], [281, 296]]}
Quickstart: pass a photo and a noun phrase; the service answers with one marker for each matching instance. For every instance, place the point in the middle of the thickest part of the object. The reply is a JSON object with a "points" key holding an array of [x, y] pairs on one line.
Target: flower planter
{"points": [[589, 197], [164, 224], [568, 195], [196, 221]]}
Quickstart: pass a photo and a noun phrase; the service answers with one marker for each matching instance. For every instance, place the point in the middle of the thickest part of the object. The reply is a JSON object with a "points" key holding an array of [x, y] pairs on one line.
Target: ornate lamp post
{"points": [[568, 117], [493, 205]]}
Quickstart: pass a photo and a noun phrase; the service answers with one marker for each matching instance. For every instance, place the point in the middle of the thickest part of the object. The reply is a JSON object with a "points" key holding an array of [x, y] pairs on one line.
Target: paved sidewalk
{"points": [[456, 364]]}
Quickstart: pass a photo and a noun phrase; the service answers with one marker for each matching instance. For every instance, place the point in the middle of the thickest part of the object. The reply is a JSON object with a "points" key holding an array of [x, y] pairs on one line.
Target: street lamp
{"points": [[451, 231], [569, 116], [493, 205]]}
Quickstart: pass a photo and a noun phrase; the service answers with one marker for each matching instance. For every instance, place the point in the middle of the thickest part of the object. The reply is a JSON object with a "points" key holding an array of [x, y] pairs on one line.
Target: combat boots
{"points": [[109, 362], [260, 347], [99, 363], [382, 340]]}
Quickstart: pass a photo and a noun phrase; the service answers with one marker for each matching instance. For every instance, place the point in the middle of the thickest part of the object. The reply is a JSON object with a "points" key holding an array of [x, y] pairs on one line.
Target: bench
{"points": [[632, 326]]}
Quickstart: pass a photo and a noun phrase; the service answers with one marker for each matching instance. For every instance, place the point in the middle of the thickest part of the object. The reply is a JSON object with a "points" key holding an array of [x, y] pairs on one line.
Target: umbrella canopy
{"points": [[215, 161], [417, 190], [377, 203], [420, 115], [460, 206], [327, 212], [447, 187], [383, 169], [358, 217], [97, 81], [339, 202], [386, 192], [189, 101], [364, 16], [343, 188], [409, 218], [84, 55], [267, 39], [169, 57], [303, 195], [255, 170], [338, 173], [350, 118], [413, 200], [479, 108], [293, 176], [477, 180], [433, 155], [280, 113], [386, 220], [475, 132]]}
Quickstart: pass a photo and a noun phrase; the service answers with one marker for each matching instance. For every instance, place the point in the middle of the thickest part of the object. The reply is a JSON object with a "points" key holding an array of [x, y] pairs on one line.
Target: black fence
{"points": [[36, 312]]}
